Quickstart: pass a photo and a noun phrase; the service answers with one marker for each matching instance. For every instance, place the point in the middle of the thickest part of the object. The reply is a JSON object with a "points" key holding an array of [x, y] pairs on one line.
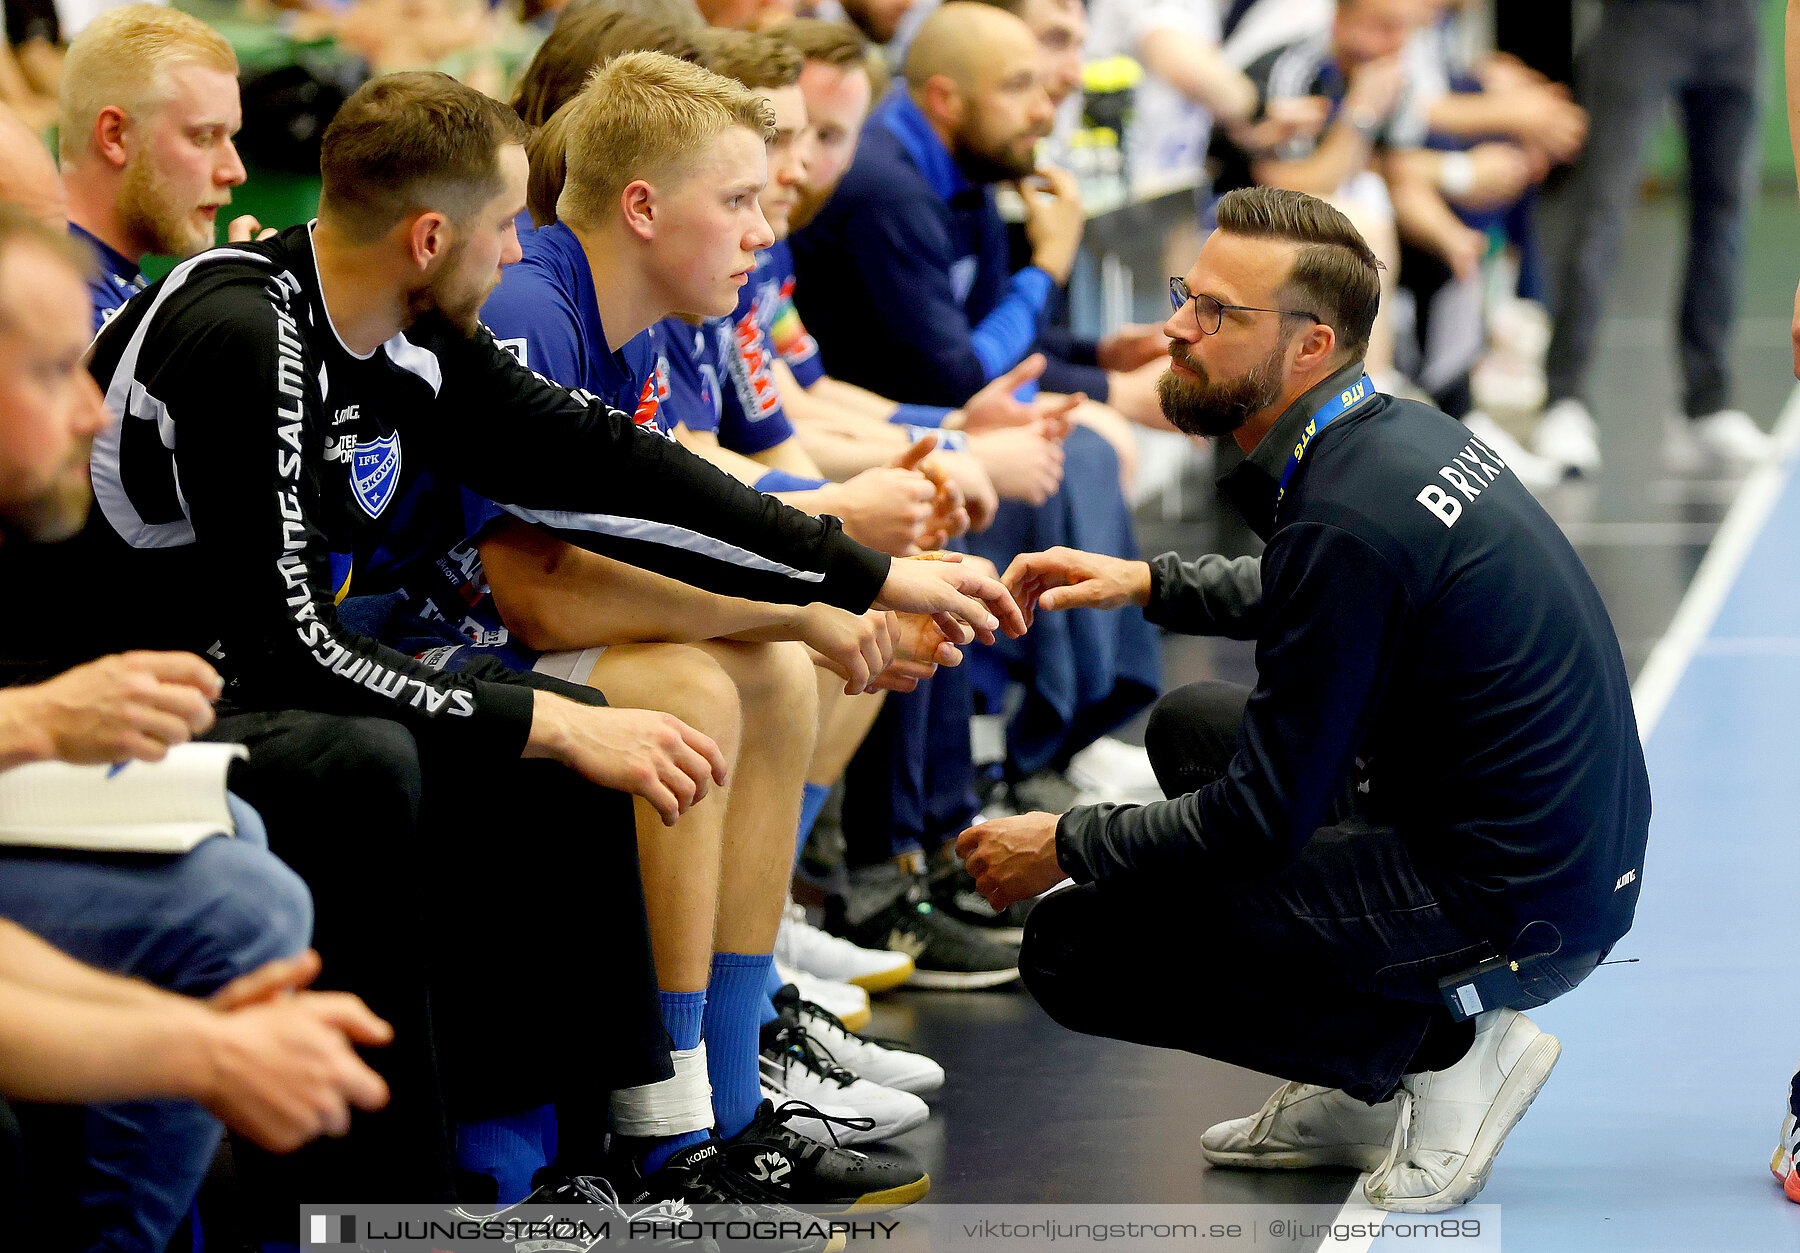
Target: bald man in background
{"points": [[28, 176], [906, 281]]}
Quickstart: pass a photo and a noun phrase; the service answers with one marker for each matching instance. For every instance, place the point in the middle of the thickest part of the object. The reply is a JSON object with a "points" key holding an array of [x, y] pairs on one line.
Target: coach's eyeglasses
{"points": [[1209, 312]]}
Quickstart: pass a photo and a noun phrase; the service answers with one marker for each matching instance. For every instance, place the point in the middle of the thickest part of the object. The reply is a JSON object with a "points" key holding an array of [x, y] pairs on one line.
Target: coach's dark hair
{"points": [[586, 37], [1336, 275], [404, 143]]}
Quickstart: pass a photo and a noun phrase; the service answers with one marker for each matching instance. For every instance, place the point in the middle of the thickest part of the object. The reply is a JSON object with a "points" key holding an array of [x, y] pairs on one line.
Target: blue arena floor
{"points": [[1654, 1132]]}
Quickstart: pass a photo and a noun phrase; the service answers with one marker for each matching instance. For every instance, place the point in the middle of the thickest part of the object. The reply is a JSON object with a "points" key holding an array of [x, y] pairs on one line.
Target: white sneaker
{"points": [[1728, 439], [1788, 1147], [796, 1068], [1110, 769], [805, 947], [1566, 434], [1453, 1122], [1303, 1125], [845, 1000], [1782, 1164], [1538, 474], [887, 1062]]}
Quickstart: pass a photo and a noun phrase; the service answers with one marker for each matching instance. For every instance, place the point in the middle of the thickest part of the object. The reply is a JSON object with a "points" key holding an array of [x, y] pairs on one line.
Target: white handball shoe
{"points": [[1566, 435], [802, 946], [846, 1000], [796, 1068], [1304, 1125], [1538, 474], [890, 1063], [1452, 1122], [1726, 440]]}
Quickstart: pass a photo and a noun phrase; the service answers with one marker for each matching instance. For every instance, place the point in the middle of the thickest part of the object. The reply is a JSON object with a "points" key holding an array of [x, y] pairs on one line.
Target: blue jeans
{"points": [[190, 924]]}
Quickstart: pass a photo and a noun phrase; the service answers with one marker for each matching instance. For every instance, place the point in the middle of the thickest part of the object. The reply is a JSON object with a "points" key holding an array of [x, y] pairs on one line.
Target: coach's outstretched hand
{"points": [[1013, 859], [965, 602], [1065, 578], [653, 755]]}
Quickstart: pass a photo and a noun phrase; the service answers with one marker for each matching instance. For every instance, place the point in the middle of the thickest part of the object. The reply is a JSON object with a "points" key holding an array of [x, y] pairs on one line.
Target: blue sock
{"points": [[812, 800], [509, 1149], [735, 1000], [683, 1013], [771, 986]]}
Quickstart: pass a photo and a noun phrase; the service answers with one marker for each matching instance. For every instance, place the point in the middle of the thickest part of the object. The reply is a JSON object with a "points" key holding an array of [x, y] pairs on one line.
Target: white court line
{"points": [[1700, 605], [1699, 609]]}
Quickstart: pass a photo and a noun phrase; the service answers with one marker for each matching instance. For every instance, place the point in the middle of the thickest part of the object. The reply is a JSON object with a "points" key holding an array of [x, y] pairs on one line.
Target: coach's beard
{"points": [[1203, 407]]}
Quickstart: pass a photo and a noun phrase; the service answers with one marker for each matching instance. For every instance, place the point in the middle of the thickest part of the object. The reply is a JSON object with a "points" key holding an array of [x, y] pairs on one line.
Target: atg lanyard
{"points": [[1328, 413]]}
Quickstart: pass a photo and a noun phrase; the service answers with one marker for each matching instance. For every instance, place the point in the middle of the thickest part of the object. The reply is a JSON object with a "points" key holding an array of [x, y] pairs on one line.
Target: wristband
{"points": [[1456, 173], [782, 481], [947, 441], [920, 415]]}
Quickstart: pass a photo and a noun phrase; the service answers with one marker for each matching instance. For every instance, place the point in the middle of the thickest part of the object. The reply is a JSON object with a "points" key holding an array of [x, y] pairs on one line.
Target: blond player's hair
{"points": [[645, 116], [123, 58]]}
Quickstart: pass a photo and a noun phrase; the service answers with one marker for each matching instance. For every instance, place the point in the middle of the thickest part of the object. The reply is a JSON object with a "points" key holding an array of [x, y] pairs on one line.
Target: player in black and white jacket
{"points": [[275, 405]]}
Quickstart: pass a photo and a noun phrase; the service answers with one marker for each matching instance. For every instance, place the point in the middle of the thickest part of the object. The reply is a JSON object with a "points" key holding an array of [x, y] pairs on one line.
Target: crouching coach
{"points": [[1430, 812]]}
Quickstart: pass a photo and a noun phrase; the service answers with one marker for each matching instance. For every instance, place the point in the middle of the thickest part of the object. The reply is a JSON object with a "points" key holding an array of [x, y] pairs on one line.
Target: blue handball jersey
{"points": [[435, 593], [770, 301], [686, 360], [752, 418], [113, 281]]}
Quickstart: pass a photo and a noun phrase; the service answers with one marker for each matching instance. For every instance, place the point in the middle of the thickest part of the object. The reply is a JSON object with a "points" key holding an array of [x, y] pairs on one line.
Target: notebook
{"points": [[165, 806]]}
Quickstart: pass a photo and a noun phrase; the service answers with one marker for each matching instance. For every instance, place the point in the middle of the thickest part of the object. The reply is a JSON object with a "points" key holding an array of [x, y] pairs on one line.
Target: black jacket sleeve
{"points": [[1211, 595], [235, 386], [1336, 613], [566, 461]]}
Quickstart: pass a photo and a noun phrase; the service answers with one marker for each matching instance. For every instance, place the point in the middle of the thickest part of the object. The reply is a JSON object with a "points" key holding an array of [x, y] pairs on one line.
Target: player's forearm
{"points": [[1473, 114], [1343, 152], [1421, 215], [1200, 72], [553, 596], [853, 399], [28, 960], [64, 1049], [790, 457]]}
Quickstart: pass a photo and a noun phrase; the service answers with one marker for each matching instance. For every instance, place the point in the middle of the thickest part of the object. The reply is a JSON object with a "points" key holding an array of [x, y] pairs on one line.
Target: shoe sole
{"points": [[1301, 1159], [876, 1202], [962, 981], [1792, 1186], [882, 980], [1510, 1103]]}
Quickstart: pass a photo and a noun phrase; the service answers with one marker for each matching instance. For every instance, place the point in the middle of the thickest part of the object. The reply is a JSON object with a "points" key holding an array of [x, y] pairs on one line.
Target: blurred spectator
{"points": [[28, 176], [1702, 55], [149, 108], [1369, 161]]}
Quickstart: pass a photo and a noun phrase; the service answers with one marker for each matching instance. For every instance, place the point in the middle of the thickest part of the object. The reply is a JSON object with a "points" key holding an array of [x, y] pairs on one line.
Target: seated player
{"points": [[650, 221], [367, 319]]}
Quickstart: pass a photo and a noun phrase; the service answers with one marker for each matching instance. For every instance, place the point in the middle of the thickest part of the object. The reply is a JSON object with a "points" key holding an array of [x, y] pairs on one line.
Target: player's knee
{"points": [[695, 687], [775, 683]]}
